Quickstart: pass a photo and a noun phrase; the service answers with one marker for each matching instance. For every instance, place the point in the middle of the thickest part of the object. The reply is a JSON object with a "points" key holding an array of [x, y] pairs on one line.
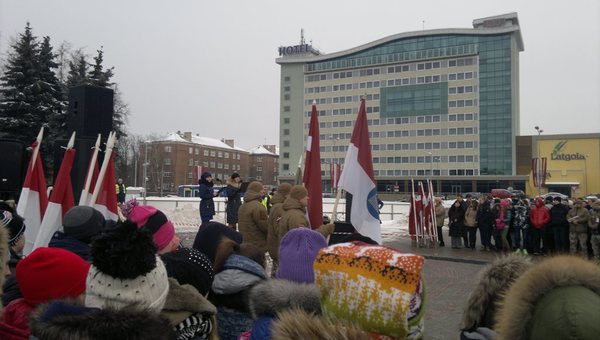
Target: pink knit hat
{"points": [[155, 221]]}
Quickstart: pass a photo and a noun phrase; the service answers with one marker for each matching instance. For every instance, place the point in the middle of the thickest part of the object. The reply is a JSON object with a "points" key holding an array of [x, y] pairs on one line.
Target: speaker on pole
{"points": [[90, 111], [13, 163]]}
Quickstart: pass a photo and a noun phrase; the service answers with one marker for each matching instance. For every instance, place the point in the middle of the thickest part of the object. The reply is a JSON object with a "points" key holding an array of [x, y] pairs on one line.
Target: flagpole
{"points": [[110, 143], [432, 214], [88, 180], [37, 148], [413, 202]]}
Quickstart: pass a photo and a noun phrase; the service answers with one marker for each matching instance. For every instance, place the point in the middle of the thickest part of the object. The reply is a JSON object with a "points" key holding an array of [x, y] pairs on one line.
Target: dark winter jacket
{"points": [[229, 294], [67, 242], [456, 216], [558, 215], [234, 201], [558, 298], [207, 204], [189, 313], [253, 218], [10, 290], [271, 297], [485, 216], [61, 320]]}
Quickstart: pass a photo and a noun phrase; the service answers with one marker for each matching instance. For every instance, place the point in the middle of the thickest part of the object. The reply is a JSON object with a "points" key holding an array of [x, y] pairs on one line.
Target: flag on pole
{"points": [[198, 171], [104, 198], [358, 179], [34, 198], [61, 199], [425, 212], [414, 219], [312, 172], [91, 175], [432, 211]]}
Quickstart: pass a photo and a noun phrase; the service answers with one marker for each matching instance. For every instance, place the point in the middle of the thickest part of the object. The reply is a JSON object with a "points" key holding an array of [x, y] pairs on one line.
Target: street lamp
{"points": [[539, 161], [145, 171]]}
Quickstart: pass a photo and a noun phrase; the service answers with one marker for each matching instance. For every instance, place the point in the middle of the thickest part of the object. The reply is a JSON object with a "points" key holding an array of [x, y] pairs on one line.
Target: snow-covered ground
{"points": [[184, 214]]}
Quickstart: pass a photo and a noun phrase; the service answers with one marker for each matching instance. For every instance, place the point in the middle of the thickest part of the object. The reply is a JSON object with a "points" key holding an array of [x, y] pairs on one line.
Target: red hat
{"points": [[51, 273]]}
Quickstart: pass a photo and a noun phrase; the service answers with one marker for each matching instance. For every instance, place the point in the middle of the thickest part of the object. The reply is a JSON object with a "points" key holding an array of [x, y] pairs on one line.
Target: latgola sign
{"points": [[558, 155]]}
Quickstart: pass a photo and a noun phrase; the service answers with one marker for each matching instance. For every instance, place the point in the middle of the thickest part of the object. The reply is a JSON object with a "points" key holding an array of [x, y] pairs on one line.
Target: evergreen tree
{"points": [[97, 75], [52, 98], [20, 86], [120, 114], [77, 70]]}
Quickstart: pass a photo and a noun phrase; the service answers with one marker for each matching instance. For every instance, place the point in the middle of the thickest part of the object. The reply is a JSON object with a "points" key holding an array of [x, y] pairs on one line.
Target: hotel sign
{"points": [[558, 154], [298, 49]]}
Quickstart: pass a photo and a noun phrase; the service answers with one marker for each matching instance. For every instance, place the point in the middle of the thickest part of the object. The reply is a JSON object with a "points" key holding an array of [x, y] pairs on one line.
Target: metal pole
{"points": [[145, 173], [539, 161]]}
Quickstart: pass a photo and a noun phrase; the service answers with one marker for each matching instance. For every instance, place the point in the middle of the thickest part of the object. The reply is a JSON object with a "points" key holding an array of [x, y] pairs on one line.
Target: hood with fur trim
{"points": [[494, 281], [567, 291], [273, 296], [61, 320], [298, 324], [184, 300]]}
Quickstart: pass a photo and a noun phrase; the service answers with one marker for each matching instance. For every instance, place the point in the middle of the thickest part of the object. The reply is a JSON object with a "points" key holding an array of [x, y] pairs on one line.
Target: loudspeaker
{"points": [[90, 111], [13, 163], [83, 155]]}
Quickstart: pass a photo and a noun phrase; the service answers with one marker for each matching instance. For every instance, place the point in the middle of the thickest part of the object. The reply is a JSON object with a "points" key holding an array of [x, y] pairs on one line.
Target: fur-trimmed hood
{"points": [[184, 300], [61, 320], [273, 296], [298, 324], [494, 280], [559, 297]]}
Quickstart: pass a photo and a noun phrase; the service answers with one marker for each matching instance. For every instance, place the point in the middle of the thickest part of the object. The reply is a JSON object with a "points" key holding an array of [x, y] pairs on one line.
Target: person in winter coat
{"points": [[485, 222], [44, 275], [559, 225], [456, 217], [483, 301], [60, 320], [520, 224], [539, 216], [206, 194], [254, 218], [440, 215], [578, 218], [502, 214], [471, 224], [234, 200], [156, 222], [191, 275], [294, 214], [594, 224], [558, 298], [283, 191], [15, 225], [217, 241], [80, 225]]}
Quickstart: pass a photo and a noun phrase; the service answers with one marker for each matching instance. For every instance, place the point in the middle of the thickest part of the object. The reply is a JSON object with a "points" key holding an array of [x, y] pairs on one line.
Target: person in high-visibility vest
{"points": [[121, 191]]}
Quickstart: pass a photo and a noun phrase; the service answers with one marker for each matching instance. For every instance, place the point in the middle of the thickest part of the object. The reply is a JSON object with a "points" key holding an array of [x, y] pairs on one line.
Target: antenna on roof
{"points": [[302, 36]]}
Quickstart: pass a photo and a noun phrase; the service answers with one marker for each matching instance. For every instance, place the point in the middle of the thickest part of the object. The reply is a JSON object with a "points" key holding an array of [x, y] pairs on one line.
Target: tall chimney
{"points": [[187, 136]]}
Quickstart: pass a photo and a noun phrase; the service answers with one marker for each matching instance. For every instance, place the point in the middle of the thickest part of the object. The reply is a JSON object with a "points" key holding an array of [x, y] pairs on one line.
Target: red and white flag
{"points": [[104, 198], [312, 172], [358, 179], [198, 171], [34, 198], [61, 199], [91, 176], [414, 219]]}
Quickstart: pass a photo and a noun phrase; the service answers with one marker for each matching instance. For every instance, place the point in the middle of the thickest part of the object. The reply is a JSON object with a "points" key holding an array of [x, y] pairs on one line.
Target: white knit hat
{"points": [[148, 291]]}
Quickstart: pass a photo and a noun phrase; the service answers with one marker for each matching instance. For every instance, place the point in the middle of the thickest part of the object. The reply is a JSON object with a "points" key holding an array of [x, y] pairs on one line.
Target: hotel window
{"points": [[452, 63], [286, 88], [452, 76], [286, 143], [286, 97], [286, 132], [286, 79], [285, 166], [420, 67], [469, 75], [286, 109]]}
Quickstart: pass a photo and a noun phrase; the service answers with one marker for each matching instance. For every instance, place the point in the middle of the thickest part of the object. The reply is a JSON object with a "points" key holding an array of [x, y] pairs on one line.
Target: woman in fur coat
{"points": [[234, 200], [456, 215]]}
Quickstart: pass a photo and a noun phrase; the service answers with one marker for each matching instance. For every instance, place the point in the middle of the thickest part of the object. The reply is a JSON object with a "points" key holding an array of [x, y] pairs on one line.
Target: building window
{"points": [[205, 152], [191, 151], [286, 88], [220, 154], [167, 161], [286, 97], [285, 166], [286, 78], [197, 151], [286, 143], [190, 175], [213, 153], [286, 109], [191, 162], [205, 164], [286, 155], [167, 148], [219, 165], [212, 165], [286, 132], [259, 168], [226, 154], [226, 166]]}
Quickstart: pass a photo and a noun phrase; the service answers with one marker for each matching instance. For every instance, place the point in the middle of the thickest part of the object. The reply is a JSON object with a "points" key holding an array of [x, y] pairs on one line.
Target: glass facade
{"points": [[495, 86]]}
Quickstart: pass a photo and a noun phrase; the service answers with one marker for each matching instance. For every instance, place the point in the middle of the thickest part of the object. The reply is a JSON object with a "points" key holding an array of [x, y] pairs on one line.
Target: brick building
{"points": [[264, 164]]}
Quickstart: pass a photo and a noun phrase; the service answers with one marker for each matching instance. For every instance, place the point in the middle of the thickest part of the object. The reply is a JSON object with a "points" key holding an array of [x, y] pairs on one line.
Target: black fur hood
{"points": [[66, 320]]}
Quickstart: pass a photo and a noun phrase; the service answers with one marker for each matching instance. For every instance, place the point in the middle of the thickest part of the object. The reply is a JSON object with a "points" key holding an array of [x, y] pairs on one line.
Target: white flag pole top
{"points": [[88, 180], [71, 141], [37, 148], [110, 143]]}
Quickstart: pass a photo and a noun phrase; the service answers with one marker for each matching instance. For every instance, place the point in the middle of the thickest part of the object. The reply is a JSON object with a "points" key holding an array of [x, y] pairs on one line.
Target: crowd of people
{"points": [[523, 226]]}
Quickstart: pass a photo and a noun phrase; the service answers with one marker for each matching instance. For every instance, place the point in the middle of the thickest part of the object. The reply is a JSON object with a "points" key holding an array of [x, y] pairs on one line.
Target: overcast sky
{"points": [[209, 66]]}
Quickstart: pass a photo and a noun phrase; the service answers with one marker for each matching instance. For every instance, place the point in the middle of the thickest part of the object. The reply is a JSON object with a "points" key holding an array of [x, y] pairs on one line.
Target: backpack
{"points": [[376, 287]]}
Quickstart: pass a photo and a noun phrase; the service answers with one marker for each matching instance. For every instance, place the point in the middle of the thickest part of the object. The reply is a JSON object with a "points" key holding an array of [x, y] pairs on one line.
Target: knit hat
{"points": [[376, 288], [14, 224], [190, 266], [51, 273], [284, 189], [155, 221], [298, 192], [297, 253], [126, 270], [255, 186], [206, 174], [83, 223], [235, 175], [209, 237]]}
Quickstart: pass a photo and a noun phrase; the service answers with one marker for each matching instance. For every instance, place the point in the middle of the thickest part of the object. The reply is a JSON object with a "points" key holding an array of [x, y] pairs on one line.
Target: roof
{"points": [[483, 26], [260, 150], [206, 141]]}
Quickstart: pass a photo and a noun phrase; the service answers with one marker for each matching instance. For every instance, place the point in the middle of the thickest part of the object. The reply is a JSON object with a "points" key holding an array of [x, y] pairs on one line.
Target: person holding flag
{"points": [[358, 179]]}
